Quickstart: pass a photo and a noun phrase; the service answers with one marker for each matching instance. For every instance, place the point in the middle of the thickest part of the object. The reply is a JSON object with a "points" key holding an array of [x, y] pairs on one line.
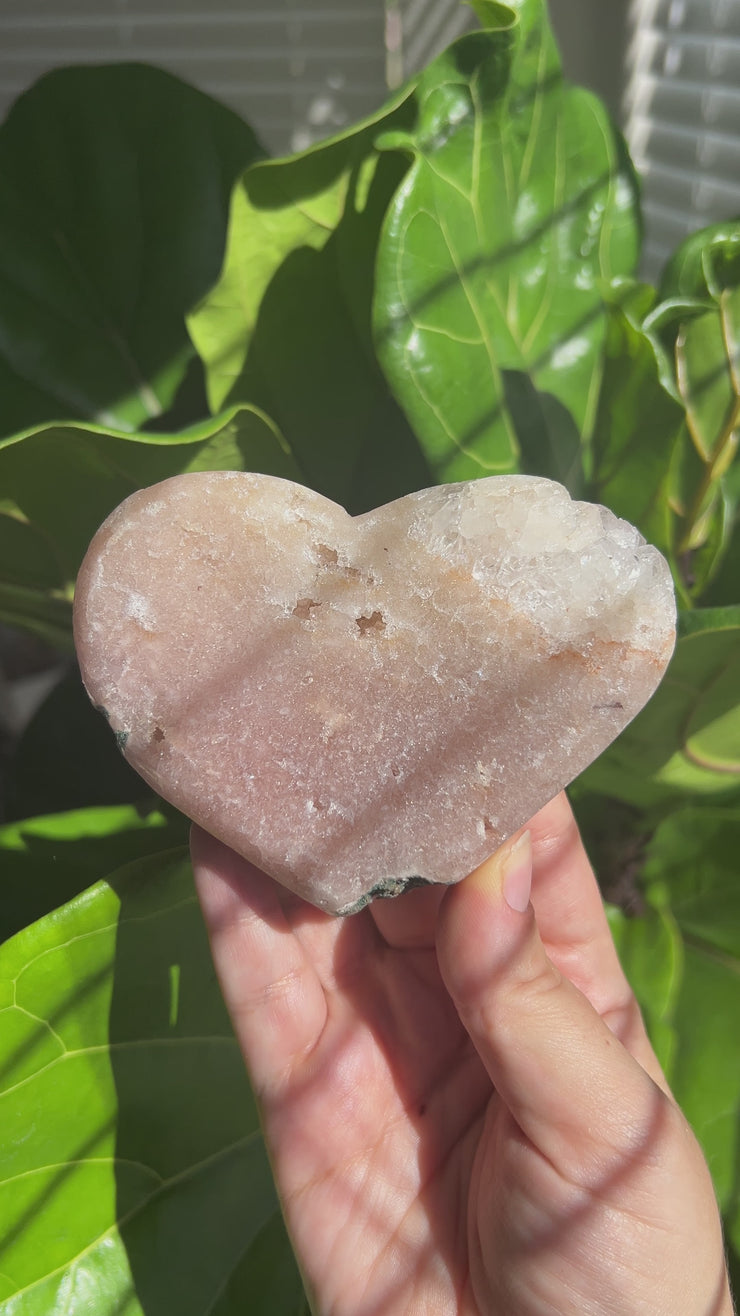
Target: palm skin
{"points": [[462, 1108]]}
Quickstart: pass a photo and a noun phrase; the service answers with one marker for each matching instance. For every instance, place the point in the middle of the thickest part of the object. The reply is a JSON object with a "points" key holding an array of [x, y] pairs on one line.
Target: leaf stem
{"points": [[712, 468]]}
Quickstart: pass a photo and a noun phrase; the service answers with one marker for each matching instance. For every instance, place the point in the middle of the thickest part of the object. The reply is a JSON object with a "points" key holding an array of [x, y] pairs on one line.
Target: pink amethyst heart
{"points": [[360, 704]]}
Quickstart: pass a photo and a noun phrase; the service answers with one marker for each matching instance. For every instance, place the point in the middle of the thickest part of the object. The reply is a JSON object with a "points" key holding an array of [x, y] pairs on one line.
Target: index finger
{"points": [[569, 906], [571, 917], [269, 983]]}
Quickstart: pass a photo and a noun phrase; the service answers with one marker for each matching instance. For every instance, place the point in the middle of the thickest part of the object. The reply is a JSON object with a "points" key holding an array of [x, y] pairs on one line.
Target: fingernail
{"points": [[509, 872], [516, 872]]}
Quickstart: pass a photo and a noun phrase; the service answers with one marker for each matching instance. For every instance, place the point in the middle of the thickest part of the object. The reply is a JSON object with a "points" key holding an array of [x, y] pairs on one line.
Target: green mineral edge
{"points": [[385, 890], [120, 736]]}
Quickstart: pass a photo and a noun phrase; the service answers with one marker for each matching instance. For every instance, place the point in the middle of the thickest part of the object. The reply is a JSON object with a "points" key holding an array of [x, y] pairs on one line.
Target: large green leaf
{"points": [[696, 328], [683, 959], [116, 184], [59, 482], [134, 1179], [686, 740], [488, 314], [46, 861], [667, 422], [638, 422], [287, 326]]}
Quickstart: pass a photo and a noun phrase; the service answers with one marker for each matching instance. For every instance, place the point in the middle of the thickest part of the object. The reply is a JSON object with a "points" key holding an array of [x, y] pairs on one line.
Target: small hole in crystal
{"points": [[157, 735], [395, 770], [488, 826], [303, 609], [375, 622]]}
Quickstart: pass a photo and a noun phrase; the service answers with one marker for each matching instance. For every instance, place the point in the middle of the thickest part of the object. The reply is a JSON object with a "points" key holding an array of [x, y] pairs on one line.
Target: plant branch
{"points": [[712, 471]]}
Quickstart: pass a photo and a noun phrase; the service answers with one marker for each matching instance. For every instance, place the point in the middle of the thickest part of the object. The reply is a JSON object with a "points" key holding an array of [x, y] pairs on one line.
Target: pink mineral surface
{"points": [[355, 704]]}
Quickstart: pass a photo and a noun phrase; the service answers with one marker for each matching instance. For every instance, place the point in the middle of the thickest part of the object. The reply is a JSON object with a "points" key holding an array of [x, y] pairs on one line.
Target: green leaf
{"points": [[116, 184], [134, 1178], [705, 265], [725, 584], [697, 330], [652, 953], [638, 423], [28, 556], [42, 614], [66, 729], [63, 480], [46, 861], [518, 202], [685, 741], [688, 977], [694, 856], [287, 327]]}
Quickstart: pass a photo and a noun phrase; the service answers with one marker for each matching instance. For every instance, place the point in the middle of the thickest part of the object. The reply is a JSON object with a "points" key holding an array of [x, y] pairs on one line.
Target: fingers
{"points": [[573, 926], [574, 1090], [570, 911], [409, 921], [270, 986]]}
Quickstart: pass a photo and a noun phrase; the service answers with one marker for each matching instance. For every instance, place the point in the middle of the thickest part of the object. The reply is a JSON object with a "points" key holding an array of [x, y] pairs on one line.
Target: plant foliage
{"points": [[446, 290]]}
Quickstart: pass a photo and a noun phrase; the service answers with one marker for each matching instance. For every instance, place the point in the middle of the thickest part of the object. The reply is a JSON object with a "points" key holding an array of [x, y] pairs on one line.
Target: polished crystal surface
{"points": [[355, 703]]}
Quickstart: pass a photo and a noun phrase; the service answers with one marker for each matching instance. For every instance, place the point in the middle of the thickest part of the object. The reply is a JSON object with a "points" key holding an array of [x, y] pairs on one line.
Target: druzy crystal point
{"points": [[359, 704]]}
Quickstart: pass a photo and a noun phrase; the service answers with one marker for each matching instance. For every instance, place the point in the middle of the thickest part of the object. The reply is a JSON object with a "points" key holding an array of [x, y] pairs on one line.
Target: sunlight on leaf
{"points": [[638, 423], [696, 328], [46, 861], [686, 740], [518, 200], [287, 326], [134, 1177]]}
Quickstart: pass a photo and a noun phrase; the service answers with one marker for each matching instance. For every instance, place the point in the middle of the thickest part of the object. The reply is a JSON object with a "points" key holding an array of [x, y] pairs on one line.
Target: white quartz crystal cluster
{"points": [[356, 704]]}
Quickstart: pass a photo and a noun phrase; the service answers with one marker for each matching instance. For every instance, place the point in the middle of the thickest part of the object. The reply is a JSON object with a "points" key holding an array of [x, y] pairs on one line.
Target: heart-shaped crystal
{"points": [[356, 704]]}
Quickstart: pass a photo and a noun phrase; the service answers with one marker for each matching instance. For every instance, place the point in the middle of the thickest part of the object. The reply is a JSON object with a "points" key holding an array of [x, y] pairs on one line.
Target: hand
{"points": [[462, 1108]]}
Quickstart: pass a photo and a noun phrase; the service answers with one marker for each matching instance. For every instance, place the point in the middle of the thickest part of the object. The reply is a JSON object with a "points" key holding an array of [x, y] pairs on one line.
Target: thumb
{"points": [[570, 1085]]}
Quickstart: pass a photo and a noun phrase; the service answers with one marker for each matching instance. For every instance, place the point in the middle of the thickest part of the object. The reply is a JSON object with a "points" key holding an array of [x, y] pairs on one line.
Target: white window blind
{"points": [[683, 116], [419, 29], [301, 69], [297, 70]]}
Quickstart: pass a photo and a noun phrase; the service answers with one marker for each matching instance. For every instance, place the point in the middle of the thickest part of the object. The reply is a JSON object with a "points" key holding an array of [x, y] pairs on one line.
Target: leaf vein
{"points": [[117, 1225]]}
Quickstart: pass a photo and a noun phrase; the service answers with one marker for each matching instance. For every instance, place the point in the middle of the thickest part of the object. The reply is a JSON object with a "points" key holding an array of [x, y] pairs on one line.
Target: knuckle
{"points": [[535, 990]]}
